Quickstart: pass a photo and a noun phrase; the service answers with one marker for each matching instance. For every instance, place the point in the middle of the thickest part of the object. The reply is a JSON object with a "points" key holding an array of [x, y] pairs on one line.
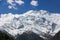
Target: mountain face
{"points": [[29, 36], [5, 36], [41, 22], [56, 37], [25, 36]]}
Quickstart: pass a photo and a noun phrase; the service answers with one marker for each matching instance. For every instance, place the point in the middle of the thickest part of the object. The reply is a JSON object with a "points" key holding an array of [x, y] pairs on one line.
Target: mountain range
{"points": [[42, 22]]}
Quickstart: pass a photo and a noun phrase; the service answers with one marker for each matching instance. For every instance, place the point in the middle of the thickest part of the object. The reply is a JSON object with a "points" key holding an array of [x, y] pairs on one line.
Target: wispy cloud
{"points": [[20, 2], [12, 3], [34, 3]]}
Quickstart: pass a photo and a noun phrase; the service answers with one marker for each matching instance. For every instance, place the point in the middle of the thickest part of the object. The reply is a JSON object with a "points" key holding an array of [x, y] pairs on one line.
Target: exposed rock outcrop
{"points": [[56, 37], [5, 36], [29, 36]]}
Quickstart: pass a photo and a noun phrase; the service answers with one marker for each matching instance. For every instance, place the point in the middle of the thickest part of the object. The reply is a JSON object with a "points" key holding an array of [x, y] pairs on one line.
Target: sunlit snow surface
{"points": [[40, 22]]}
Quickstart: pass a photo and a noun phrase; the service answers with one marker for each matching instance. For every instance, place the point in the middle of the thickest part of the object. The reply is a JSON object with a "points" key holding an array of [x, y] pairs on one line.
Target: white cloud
{"points": [[35, 21], [10, 7], [12, 3], [20, 2], [34, 3]]}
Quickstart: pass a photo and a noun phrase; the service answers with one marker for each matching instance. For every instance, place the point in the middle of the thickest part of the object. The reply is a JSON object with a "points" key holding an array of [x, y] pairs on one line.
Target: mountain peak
{"points": [[39, 22]]}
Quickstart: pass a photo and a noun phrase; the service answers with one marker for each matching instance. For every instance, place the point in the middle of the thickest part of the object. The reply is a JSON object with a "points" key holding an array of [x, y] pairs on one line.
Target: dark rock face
{"points": [[29, 36], [4, 36], [56, 37], [24, 36]]}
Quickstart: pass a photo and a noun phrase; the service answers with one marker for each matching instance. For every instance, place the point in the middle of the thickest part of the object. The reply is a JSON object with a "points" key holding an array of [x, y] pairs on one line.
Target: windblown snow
{"points": [[40, 22]]}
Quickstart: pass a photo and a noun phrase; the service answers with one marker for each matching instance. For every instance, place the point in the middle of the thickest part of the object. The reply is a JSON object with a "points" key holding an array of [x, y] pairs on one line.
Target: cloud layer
{"points": [[40, 22]]}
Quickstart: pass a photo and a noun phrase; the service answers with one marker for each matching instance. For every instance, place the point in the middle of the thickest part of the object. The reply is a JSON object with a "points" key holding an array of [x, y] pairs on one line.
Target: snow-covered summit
{"points": [[40, 22]]}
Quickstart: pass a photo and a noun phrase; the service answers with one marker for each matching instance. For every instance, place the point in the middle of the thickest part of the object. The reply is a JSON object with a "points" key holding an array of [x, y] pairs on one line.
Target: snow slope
{"points": [[40, 22]]}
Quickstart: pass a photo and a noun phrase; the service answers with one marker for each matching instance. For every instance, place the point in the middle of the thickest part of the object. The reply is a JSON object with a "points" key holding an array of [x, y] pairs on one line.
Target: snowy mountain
{"points": [[40, 22]]}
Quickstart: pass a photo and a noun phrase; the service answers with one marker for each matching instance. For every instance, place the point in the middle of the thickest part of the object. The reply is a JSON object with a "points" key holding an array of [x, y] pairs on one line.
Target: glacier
{"points": [[41, 22]]}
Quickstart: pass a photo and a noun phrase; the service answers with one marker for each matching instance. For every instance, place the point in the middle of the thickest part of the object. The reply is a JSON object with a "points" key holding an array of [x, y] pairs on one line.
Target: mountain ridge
{"points": [[36, 21]]}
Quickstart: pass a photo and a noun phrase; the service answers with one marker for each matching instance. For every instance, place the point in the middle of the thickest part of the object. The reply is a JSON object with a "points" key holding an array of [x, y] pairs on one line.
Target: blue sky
{"points": [[49, 5]]}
